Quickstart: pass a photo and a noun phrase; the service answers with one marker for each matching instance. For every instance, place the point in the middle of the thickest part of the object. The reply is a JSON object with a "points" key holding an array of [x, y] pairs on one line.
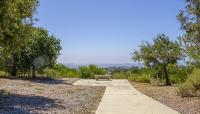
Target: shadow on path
{"points": [[23, 104]]}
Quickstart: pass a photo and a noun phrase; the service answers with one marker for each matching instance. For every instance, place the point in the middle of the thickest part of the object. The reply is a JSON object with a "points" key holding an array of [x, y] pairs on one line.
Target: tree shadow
{"points": [[43, 80], [50, 81], [25, 104]]}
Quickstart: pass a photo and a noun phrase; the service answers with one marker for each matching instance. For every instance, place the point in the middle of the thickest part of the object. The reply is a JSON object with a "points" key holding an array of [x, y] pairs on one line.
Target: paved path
{"points": [[122, 98]]}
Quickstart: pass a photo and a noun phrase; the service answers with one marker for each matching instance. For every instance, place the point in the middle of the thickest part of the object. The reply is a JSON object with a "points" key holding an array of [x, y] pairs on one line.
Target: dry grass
{"points": [[168, 95]]}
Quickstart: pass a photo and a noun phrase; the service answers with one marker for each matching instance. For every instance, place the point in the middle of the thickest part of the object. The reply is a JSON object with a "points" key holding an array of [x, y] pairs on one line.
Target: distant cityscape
{"points": [[122, 65]]}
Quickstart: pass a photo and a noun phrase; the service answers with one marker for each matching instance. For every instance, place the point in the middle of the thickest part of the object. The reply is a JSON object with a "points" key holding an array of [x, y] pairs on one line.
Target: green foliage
{"points": [[22, 45], [190, 23], [16, 20], [50, 72], [155, 76], [60, 70], [135, 74], [42, 51], [15, 16], [159, 54], [178, 74], [97, 70], [120, 75], [189, 87], [45, 45], [134, 70], [3, 74], [144, 78], [90, 71], [86, 72]]}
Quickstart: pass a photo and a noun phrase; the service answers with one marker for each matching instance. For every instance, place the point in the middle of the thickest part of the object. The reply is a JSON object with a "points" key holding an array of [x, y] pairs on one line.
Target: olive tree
{"points": [[42, 50], [190, 23], [160, 53], [16, 17]]}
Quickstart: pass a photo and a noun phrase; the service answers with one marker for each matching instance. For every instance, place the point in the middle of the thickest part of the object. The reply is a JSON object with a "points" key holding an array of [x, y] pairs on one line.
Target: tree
{"points": [[22, 46], [159, 54], [190, 23], [42, 50], [16, 16]]}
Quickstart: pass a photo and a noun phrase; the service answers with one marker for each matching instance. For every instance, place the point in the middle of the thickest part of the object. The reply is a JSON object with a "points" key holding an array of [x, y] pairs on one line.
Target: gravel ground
{"points": [[48, 96], [167, 95]]}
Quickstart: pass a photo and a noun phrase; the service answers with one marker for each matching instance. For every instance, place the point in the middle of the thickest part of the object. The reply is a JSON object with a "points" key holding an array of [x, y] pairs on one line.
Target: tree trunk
{"points": [[33, 72], [14, 67], [166, 76], [14, 70]]}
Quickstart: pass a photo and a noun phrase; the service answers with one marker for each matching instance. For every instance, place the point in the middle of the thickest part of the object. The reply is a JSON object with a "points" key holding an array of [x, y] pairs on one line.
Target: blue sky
{"points": [[107, 31]]}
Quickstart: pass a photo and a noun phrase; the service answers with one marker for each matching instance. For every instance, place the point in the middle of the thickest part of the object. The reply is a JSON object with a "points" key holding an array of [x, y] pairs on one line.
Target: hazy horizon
{"points": [[107, 31]]}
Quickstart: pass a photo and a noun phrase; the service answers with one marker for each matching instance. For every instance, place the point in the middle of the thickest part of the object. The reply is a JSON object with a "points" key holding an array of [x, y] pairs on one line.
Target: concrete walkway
{"points": [[122, 98]]}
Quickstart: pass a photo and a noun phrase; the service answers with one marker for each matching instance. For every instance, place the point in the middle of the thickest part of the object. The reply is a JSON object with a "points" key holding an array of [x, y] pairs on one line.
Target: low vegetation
{"points": [[90, 71], [163, 57], [62, 71], [191, 85]]}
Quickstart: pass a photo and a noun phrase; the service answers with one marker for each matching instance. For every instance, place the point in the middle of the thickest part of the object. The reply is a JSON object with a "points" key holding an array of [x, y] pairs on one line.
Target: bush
{"points": [[178, 74], [120, 75], [186, 90], [50, 72], [144, 78], [97, 70], [73, 74], [86, 72], [2, 73], [191, 85], [59, 70], [90, 71]]}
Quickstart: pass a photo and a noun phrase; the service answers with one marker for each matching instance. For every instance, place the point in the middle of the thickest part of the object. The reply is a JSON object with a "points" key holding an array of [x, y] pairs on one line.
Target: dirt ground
{"points": [[19, 96], [167, 95]]}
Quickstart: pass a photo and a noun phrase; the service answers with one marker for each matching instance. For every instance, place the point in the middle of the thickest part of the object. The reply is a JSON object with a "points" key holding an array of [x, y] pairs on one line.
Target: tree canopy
{"points": [[23, 46], [42, 50], [159, 54], [190, 23]]}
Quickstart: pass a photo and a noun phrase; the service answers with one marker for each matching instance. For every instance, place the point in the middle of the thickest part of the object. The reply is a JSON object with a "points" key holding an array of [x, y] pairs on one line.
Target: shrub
{"points": [[50, 72], [73, 74], [190, 86], [2, 73], [186, 90], [120, 75], [97, 70], [144, 78], [178, 74], [90, 71], [86, 72], [59, 70], [134, 70]]}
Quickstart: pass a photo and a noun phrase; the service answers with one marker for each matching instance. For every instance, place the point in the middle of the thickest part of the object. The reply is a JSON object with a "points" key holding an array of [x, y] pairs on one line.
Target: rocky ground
{"points": [[19, 96], [167, 95]]}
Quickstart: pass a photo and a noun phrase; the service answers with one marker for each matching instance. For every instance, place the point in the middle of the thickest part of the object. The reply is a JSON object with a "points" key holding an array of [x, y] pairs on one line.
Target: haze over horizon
{"points": [[99, 32]]}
